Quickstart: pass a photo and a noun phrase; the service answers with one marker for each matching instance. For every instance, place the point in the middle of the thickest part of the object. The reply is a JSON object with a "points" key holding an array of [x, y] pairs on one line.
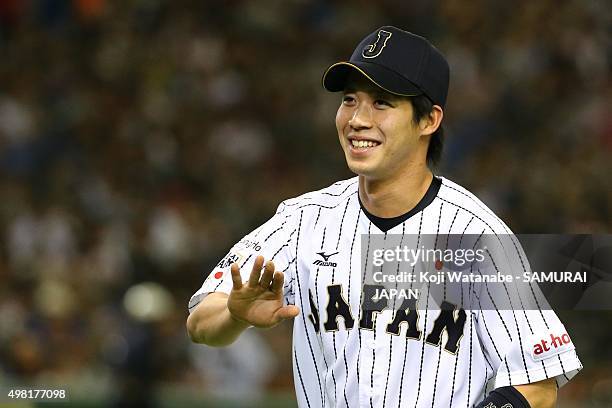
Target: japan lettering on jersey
{"points": [[349, 353]]}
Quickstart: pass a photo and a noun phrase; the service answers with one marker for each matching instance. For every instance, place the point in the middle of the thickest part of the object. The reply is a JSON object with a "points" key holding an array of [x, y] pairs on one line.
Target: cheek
{"points": [[342, 119], [398, 135]]}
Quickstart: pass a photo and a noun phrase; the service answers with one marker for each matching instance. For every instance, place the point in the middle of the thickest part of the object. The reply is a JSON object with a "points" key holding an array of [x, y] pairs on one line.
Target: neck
{"points": [[395, 196]]}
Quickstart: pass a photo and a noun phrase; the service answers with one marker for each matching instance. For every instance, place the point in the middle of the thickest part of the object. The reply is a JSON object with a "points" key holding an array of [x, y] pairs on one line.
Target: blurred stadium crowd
{"points": [[140, 139]]}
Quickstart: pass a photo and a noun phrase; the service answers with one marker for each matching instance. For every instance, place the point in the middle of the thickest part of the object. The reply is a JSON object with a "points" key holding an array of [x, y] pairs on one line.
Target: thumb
{"points": [[287, 312]]}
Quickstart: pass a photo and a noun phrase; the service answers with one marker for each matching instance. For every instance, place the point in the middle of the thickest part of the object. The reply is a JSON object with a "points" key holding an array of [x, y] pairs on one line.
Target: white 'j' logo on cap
{"points": [[374, 50]]}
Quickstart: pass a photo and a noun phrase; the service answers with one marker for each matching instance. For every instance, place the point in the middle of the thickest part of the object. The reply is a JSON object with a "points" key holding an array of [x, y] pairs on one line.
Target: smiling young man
{"points": [[386, 145], [306, 262]]}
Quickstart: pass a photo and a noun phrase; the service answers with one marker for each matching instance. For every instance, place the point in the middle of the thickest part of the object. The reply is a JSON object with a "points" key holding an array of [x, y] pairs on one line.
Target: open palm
{"points": [[259, 302]]}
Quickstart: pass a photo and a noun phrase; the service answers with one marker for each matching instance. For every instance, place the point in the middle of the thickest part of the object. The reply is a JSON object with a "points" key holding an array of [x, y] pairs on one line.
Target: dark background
{"points": [[140, 139]]}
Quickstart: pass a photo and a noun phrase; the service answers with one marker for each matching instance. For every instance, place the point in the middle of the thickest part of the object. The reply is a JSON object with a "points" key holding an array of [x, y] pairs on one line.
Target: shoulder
{"points": [[328, 197], [457, 196], [302, 210]]}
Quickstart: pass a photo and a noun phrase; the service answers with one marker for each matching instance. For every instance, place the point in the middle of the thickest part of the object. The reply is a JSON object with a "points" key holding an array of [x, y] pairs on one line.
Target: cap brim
{"points": [[334, 78]]}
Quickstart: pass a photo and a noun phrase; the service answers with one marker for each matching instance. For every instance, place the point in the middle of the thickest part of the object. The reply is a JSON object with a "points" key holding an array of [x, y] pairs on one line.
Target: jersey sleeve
{"points": [[522, 337], [272, 240]]}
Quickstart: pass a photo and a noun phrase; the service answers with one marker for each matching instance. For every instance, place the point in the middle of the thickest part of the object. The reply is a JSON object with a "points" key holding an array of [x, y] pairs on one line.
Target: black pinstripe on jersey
{"points": [[361, 293], [301, 296], [350, 279], [318, 307], [406, 346]]}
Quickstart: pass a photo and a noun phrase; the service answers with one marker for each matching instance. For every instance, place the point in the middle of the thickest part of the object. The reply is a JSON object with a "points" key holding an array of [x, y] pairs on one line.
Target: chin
{"points": [[365, 166], [361, 169]]}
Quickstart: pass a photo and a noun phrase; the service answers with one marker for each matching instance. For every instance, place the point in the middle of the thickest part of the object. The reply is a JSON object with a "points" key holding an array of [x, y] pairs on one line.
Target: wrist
{"points": [[238, 322]]}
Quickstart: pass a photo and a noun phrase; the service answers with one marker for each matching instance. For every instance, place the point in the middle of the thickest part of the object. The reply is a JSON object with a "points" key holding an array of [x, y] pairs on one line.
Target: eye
{"points": [[382, 103], [348, 100]]}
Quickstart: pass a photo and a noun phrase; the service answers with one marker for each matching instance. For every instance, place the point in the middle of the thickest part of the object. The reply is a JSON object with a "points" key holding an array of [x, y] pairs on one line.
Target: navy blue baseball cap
{"points": [[397, 61]]}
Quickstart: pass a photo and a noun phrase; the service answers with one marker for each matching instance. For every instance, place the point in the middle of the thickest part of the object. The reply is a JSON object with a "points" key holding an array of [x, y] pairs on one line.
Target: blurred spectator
{"points": [[233, 376]]}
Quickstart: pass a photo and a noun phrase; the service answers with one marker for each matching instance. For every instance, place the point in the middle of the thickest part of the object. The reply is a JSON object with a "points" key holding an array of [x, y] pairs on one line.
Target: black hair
{"points": [[422, 106]]}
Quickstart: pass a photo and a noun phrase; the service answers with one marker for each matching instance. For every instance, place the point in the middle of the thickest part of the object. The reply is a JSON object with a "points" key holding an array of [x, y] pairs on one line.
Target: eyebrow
{"points": [[375, 92]]}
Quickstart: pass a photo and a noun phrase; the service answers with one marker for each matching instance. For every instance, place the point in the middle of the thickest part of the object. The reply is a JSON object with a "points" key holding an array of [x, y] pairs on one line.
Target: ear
{"points": [[430, 123]]}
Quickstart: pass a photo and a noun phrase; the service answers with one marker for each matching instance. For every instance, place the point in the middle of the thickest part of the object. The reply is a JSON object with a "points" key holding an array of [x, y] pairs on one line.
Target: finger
{"points": [[277, 283], [267, 275], [256, 271], [287, 312], [236, 278]]}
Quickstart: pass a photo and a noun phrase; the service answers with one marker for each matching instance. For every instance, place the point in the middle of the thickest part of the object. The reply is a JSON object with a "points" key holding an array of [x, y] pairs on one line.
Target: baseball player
{"points": [[305, 263]]}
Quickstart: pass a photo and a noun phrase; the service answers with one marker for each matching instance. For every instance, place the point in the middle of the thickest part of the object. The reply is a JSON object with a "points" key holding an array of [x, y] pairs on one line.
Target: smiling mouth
{"points": [[363, 144]]}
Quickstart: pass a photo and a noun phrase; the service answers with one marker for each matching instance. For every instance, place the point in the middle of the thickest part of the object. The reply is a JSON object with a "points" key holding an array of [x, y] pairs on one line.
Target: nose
{"points": [[362, 117]]}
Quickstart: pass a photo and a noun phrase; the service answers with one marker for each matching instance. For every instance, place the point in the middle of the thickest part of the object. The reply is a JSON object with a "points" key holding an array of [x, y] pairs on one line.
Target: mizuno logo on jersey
{"points": [[324, 261]]}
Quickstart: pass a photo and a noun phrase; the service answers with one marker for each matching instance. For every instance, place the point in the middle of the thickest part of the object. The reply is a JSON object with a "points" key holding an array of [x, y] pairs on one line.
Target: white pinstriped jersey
{"points": [[341, 359]]}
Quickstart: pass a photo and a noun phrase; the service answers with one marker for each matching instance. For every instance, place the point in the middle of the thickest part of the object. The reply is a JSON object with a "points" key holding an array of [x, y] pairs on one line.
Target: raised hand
{"points": [[259, 302]]}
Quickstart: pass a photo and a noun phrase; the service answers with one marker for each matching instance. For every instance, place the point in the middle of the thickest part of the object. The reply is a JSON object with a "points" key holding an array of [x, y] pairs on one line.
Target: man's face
{"points": [[376, 130]]}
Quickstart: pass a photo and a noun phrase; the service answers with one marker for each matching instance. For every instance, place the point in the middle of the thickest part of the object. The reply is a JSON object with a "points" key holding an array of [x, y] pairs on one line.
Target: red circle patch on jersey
{"points": [[439, 264], [218, 275]]}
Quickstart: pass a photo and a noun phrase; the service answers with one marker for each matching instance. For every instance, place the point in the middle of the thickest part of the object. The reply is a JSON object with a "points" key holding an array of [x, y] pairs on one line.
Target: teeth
{"points": [[363, 143]]}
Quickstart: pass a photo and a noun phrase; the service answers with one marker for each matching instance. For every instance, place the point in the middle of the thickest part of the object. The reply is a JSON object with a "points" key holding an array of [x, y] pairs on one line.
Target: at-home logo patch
{"points": [[551, 346]]}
